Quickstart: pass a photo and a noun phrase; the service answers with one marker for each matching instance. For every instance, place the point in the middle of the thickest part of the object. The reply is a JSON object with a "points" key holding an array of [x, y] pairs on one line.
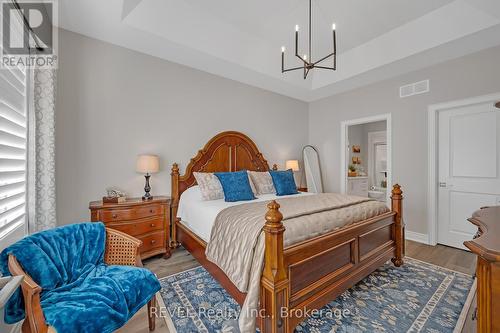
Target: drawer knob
{"points": [[152, 225], [115, 216], [153, 241], [151, 211]]}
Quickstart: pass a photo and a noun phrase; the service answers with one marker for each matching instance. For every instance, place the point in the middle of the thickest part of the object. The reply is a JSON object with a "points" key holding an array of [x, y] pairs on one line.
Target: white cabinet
{"points": [[357, 186]]}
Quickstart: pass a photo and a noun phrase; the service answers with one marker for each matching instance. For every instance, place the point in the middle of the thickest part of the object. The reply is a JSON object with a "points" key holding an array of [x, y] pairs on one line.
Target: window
{"points": [[13, 147], [13, 151]]}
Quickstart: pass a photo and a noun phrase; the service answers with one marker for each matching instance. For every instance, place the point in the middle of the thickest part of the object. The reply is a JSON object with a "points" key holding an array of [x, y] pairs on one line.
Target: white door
{"points": [[468, 175]]}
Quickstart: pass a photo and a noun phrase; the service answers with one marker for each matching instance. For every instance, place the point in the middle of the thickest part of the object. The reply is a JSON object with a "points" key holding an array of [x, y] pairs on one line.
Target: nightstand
{"points": [[147, 220], [302, 189]]}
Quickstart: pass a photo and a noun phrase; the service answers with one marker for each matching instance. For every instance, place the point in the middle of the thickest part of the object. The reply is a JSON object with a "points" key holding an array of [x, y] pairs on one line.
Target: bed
{"points": [[297, 277]]}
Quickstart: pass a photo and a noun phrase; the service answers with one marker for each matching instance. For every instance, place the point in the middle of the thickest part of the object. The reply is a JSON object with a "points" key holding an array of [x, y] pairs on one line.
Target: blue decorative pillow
{"points": [[236, 186], [283, 182]]}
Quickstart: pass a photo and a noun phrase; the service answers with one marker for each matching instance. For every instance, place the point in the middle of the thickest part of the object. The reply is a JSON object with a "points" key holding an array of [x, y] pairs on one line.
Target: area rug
{"points": [[417, 297]]}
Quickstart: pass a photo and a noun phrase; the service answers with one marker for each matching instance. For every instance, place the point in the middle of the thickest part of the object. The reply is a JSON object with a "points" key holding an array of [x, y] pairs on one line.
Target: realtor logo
{"points": [[28, 34]]}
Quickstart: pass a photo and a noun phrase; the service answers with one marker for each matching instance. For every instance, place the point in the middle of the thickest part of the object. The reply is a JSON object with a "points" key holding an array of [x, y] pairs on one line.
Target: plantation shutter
{"points": [[13, 146], [13, 150]]}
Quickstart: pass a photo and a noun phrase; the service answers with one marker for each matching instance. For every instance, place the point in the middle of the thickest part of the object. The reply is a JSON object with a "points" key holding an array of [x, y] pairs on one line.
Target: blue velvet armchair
{"points": [[78, 278]]}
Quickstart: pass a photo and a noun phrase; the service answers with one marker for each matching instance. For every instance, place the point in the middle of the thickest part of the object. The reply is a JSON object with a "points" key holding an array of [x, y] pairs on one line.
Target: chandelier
{"points": [[307, 60]]}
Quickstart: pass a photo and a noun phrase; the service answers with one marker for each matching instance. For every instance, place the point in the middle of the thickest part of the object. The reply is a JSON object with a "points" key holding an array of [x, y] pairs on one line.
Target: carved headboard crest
{"points": [[227, 151]]}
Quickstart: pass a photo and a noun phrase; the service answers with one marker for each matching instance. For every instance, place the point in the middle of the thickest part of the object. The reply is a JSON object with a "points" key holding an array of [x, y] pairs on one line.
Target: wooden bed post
{"points": [[174, 204], [275, 167], [274, 287], [399, 232]]}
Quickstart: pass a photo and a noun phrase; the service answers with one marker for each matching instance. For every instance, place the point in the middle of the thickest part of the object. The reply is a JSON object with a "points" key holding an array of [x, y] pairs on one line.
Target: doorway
{"points": [[365, 166], [464, 173]]}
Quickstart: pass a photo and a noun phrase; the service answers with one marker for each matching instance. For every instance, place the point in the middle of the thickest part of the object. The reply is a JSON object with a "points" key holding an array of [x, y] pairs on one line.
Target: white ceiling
{"points": [[241, 40]]}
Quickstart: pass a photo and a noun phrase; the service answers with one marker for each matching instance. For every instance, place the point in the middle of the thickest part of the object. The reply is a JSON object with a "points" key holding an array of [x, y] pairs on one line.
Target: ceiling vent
{"points": [[417, 88]]}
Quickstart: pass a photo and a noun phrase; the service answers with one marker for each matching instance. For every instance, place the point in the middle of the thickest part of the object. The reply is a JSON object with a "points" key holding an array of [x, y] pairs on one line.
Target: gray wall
{"points": [[114, 103], [473, 75], [355, 138]]}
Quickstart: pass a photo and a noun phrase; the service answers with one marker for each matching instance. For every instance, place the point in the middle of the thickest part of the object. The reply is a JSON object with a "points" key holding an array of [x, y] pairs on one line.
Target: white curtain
{"points": [[41, 158]]}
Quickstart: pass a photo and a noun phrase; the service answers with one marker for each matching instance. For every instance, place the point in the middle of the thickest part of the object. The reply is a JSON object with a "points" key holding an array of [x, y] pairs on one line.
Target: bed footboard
{"points": [[310, 274]]}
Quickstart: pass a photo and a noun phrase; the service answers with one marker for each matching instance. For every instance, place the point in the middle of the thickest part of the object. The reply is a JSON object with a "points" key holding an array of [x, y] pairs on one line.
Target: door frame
{"points": [[344, 149], [432, 153]]}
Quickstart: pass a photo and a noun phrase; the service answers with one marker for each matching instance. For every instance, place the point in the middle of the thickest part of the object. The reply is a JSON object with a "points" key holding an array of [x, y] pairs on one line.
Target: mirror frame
{"points": [[319, 167]]}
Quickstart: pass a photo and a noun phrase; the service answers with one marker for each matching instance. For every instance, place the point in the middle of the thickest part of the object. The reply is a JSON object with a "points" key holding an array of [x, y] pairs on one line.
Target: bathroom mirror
{"points": [[312, 169]]}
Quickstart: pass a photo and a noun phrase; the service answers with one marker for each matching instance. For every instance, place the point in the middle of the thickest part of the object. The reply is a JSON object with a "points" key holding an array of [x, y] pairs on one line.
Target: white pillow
{"points": [[252, 185], [210, 186], [263, 182]]}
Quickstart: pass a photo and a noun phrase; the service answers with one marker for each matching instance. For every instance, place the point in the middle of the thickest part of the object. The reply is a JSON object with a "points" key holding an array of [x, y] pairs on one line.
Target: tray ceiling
{"points": [[241, 40]]}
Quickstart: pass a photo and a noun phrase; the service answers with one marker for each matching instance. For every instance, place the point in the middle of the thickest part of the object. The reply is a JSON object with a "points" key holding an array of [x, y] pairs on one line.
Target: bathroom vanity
{"points": [[357, 186]]}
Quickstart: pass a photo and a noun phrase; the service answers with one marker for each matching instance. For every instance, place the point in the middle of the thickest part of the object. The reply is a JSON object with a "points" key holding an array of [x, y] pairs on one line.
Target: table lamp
{"points": [[147, 164], [292, 164]]}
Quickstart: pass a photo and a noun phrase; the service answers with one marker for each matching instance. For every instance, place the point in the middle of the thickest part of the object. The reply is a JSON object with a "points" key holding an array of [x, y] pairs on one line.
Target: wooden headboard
{"points": [[227, 151]]}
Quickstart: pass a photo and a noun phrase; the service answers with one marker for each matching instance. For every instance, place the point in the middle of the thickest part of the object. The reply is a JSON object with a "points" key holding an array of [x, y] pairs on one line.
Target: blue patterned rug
{"points": [[417, 297]]}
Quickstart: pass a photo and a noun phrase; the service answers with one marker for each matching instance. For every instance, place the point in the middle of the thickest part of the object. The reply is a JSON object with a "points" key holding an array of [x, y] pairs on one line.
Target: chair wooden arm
{"points": [[35, 320], [122, 249]]}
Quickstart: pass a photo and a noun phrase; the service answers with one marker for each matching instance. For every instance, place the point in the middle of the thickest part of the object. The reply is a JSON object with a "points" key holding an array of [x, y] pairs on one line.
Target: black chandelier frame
{"points": [[307, 65]]}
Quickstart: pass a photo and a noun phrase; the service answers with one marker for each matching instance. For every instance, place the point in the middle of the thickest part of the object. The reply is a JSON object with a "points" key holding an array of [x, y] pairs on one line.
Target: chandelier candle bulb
{"points": [[334, 48], [282, 59], [296, 28], [333, 26], [297, 42]]}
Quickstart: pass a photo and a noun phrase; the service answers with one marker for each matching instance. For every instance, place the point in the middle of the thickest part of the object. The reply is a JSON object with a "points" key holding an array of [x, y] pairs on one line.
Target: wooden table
{"points": [[486, 245], [147, 220]]}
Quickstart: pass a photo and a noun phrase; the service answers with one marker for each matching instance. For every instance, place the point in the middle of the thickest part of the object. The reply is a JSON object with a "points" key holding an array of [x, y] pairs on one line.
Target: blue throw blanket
{"points": [[80, 293]]}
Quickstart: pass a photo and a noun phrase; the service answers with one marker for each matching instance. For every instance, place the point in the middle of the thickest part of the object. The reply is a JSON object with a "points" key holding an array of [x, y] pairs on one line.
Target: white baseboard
{"points": [[417, 237]]}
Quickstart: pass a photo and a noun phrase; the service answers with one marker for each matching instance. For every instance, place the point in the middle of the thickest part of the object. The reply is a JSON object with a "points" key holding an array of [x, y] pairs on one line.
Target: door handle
{"points": [[442, 184]]}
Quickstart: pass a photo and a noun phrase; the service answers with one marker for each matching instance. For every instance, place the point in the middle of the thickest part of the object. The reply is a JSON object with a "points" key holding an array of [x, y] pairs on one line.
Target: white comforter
{"points": [[199, 215]]}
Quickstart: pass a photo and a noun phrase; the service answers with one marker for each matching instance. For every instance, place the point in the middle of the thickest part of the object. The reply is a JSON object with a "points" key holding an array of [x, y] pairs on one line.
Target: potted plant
{"points": [[352, 171]]}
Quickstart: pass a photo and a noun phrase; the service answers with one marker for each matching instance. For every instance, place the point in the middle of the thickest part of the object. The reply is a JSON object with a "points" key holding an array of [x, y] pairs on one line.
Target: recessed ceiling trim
{"points": [[392, 53]]}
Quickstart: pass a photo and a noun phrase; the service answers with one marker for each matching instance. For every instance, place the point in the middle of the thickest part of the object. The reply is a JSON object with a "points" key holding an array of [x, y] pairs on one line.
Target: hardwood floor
{"points": [[448, 257], [444, 256]]}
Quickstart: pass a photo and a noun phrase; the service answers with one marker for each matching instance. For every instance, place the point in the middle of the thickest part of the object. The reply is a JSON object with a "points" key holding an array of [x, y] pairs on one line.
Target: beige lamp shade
{"points": [[292, 164], [148, 164]]}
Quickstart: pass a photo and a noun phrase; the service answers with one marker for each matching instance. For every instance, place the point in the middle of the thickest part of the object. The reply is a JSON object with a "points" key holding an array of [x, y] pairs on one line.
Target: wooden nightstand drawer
{"points": [[151, 242], [147, 220], [136, 228], [131, 213]]}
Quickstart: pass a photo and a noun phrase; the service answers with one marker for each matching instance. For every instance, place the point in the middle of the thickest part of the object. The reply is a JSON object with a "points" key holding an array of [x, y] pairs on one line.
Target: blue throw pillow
{"points": [[283, 182], [236, 186]]}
